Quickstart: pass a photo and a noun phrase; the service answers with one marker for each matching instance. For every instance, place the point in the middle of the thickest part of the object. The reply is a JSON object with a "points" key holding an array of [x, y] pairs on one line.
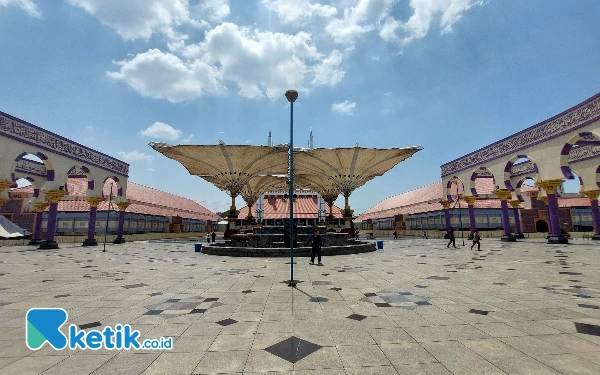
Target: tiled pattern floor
{"points": [[413, 308]]}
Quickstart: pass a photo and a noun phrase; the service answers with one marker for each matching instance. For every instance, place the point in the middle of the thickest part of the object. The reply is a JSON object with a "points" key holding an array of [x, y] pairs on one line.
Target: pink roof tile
{"points": [[144, 200]]}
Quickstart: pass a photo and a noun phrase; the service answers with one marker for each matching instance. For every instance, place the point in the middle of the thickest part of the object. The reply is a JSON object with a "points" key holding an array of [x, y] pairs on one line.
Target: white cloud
{"points": [[344, 108], [89, 127], [299, 11], [135, 156], [134, 19], [213, 10], [27, 5], [164, 76], [162, 131], [260, 64], [328, 72], [375, 58], [418, 25], [150, 169], [370, 15], [187, 139], [360, 19]]}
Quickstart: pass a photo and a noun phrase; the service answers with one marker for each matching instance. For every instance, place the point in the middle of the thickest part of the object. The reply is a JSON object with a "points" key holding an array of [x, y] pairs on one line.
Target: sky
{"points": [[449, 75]]}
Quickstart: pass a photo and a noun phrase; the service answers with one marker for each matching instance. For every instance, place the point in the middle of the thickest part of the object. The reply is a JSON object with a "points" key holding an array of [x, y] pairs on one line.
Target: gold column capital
{"points": [[123, 205], [503, 194], [445, 203], [543, 198], [95, 201], [40, 206], [470, 200], [550, 186], [54, 196], [515, 203], [592, 194]]}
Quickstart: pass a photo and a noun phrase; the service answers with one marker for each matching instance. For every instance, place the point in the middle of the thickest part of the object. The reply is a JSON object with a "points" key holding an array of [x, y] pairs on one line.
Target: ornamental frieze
{"points": [[585, 152], [526, 167], [30, 167], [47, 140], [538, 133]]}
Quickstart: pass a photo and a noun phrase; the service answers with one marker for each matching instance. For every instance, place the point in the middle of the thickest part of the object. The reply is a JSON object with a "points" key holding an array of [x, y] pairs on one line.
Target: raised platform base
{"points": [[119, 240], [285, 252], [35, 241], [90, 242], [560, 239], [510, 238], [47, 245]]}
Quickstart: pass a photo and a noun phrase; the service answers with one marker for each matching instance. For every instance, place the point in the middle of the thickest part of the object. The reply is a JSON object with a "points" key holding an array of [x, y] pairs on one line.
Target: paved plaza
{"points": [[414, 307]]}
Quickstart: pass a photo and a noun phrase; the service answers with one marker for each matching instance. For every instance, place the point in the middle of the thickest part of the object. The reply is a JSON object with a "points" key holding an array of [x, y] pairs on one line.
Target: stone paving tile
{"points": [[79, 364], [31, 365], [569, 364], [127, 363], [365, 355], [529, 327], [461, 360]]}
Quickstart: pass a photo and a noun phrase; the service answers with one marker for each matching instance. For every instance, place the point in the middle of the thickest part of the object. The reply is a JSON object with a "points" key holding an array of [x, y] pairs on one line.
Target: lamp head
{"points": [[291, 95]]}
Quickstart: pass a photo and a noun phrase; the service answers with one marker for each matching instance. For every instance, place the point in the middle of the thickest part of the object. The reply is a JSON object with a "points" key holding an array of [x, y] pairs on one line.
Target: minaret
{"points": [[310, 142], [270, 141]]}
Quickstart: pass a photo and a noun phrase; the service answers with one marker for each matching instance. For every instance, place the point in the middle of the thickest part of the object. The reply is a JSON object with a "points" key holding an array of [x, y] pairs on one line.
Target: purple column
{"points": [[472, 218], [595, 215], [121, 223], [517, 220], [447, 215], [92, 223], [505, 219], [122, 207], [39, 217], [51, 228], [553, 214]]}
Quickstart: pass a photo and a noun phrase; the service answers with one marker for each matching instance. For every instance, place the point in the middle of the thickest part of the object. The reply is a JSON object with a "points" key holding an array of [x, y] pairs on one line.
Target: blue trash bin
{"points": [[379, 245], [198, 247]]}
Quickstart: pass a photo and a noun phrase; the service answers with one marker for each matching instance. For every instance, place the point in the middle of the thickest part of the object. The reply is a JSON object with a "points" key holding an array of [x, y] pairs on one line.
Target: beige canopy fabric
{"points": [[349, 168], [229, 167]]}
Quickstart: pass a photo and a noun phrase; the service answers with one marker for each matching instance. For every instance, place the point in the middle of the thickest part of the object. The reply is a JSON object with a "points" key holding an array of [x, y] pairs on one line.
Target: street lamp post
{"points": [[291, 96]]}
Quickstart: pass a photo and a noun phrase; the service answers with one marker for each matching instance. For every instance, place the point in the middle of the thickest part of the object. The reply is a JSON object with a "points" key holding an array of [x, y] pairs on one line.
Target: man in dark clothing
{"points": [[452, 238], [476, 239], [395, 235], [214, 237], [316, 242]]}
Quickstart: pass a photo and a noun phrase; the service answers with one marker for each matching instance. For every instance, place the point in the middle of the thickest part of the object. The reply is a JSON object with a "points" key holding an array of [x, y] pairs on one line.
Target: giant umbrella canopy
{"points": [[349, 168], [229, 167]]}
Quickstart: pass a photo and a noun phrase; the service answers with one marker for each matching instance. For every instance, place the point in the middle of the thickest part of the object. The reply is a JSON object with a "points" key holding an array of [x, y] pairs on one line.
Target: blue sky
{"points": [[450, 75]]}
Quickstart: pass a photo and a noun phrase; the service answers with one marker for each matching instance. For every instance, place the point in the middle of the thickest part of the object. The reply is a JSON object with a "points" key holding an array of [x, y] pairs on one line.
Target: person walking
{"points": [[208, 238], [316, 242], [452, 238], [425, 234], [395, 235], [476, 238], [214, 236]]}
